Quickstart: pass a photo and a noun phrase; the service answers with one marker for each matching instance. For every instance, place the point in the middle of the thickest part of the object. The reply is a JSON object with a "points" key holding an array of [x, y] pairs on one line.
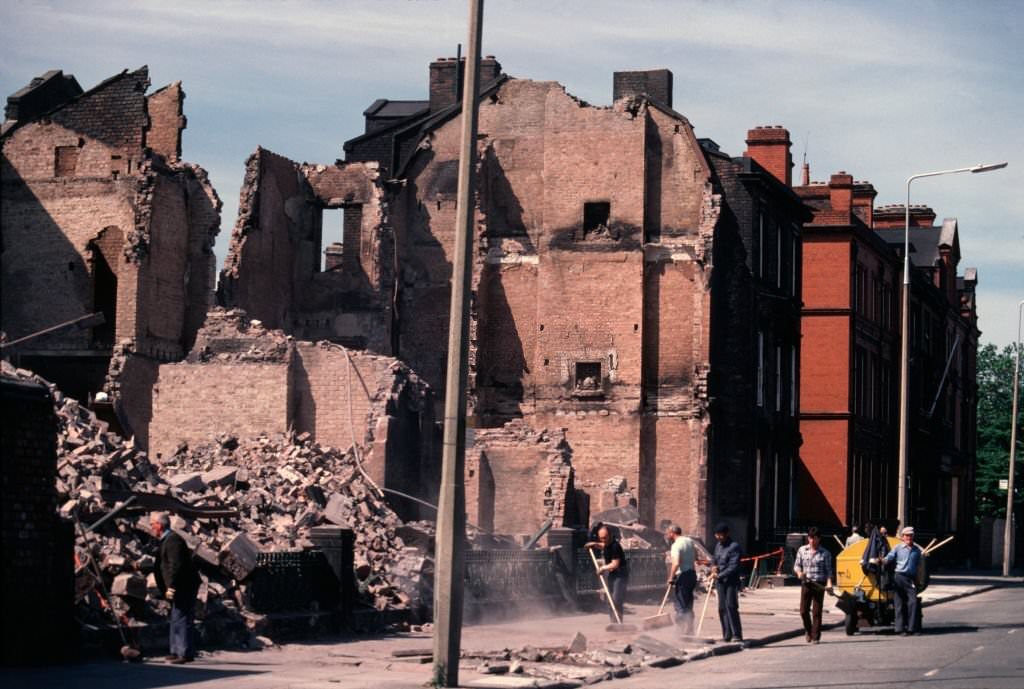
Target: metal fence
{"points": [[292, 581], [509, 577], [497, 582], [646, 572]]}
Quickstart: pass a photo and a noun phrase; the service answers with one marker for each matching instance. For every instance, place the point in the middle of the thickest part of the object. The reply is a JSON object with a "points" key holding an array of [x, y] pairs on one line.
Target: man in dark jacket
{"points": [[178, 581], [726, 570], [615, 567]]}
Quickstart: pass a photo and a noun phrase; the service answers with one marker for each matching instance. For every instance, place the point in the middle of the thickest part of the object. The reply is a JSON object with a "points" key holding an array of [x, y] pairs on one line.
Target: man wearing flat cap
{"points": [[907, 557]]}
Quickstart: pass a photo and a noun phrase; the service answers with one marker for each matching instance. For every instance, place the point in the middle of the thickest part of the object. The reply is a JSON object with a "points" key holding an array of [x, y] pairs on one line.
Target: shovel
{"points": [[617, 626]]}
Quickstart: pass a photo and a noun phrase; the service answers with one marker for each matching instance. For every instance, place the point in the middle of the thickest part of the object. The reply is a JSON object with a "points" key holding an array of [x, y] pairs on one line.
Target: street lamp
{"points": [[901, 500], [1008, 528]]}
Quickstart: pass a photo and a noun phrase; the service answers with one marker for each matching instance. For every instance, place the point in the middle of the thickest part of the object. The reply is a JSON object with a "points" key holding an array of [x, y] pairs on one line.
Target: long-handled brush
{"points": [[704, 610], [617, 626], [662, 619]]}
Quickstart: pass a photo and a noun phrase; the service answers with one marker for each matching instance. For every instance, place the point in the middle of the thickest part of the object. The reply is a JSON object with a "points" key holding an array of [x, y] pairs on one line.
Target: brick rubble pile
{"points": [[278, 487]]}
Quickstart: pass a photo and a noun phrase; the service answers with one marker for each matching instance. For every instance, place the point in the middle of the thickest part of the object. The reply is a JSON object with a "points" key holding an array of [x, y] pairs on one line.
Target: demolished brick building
{"points": [[246, 380], [616, 287], [101, 215]]}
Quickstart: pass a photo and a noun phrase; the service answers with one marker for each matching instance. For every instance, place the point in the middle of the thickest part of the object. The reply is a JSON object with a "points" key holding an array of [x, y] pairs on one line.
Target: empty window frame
{"points": [[332, 238], [595, 216], [587, 377]]}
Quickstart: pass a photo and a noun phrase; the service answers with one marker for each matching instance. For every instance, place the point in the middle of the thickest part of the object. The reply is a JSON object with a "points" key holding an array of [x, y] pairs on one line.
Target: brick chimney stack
{"points": [[892, 216], [334, 256], [805, 178], [656, 83], [447, 73], [864, 202], [840, 192], [770, 147]]}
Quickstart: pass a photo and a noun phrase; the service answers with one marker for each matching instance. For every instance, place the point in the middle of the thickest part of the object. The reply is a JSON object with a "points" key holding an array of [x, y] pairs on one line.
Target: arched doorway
{"points": [[105, 251]]}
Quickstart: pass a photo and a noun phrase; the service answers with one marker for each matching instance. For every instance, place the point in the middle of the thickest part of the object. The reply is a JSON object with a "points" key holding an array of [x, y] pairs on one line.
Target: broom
{"points": [[617, 625], [704, 611], [662, 619]]}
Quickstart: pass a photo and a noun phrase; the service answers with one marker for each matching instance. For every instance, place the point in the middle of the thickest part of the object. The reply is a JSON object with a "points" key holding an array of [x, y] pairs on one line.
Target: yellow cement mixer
{"points": [[863, 593]]}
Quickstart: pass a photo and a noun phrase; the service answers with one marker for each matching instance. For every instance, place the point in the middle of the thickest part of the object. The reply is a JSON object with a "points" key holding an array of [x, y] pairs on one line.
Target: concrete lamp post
{"points": [[901, 501], [1008, 527]]}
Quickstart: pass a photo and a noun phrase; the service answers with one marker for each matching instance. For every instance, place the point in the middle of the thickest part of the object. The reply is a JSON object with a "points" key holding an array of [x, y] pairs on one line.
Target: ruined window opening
{"points": [[104, 299], [65, 160], [588, 379], [595, 217], [332, 238]]}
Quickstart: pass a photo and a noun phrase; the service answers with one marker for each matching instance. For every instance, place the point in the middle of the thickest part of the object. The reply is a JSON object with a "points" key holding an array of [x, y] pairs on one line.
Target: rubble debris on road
{"points": [[279, 487]]}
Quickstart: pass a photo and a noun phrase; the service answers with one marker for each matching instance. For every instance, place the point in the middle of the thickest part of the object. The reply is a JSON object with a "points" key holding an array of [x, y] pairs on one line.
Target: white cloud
{"points": [[881, 89]]}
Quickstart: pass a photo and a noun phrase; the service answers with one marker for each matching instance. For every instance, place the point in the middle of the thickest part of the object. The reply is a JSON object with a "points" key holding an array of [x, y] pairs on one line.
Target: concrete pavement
{"points": [[536, 645], [975, 642]]}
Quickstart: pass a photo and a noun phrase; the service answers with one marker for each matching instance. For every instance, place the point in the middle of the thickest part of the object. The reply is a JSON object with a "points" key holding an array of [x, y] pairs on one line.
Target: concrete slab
{"points": [[506, 682]]}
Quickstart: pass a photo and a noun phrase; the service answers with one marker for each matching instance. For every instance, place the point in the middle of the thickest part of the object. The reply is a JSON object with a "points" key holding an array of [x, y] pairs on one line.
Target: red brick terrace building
{"points": [[849, 400]]}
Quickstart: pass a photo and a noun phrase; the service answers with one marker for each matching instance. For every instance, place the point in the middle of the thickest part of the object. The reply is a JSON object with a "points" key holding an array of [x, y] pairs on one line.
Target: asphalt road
{"points": [[972, 643]]}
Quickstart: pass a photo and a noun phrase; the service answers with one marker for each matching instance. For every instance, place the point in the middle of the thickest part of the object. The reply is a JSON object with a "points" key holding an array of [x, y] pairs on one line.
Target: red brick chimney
{"points": [[840, 192], [769, 146], [447, 73], [864, 201]]}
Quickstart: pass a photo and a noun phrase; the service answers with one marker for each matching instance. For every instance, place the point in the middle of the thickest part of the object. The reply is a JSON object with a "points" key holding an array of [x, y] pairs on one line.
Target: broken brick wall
{"points": [[351, 397], [92, 222], [194, 402], [272, 208], [246, 380], [275, 268], [166, 120], [517, 478], [575, 322]]}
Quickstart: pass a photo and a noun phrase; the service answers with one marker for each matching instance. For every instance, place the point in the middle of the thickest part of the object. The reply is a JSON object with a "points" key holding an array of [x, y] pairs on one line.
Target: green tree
{"points": [[995, 398]]}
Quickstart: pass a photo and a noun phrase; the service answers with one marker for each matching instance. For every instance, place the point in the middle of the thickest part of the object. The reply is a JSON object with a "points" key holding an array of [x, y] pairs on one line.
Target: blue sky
{"points": [[879, 89]]}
